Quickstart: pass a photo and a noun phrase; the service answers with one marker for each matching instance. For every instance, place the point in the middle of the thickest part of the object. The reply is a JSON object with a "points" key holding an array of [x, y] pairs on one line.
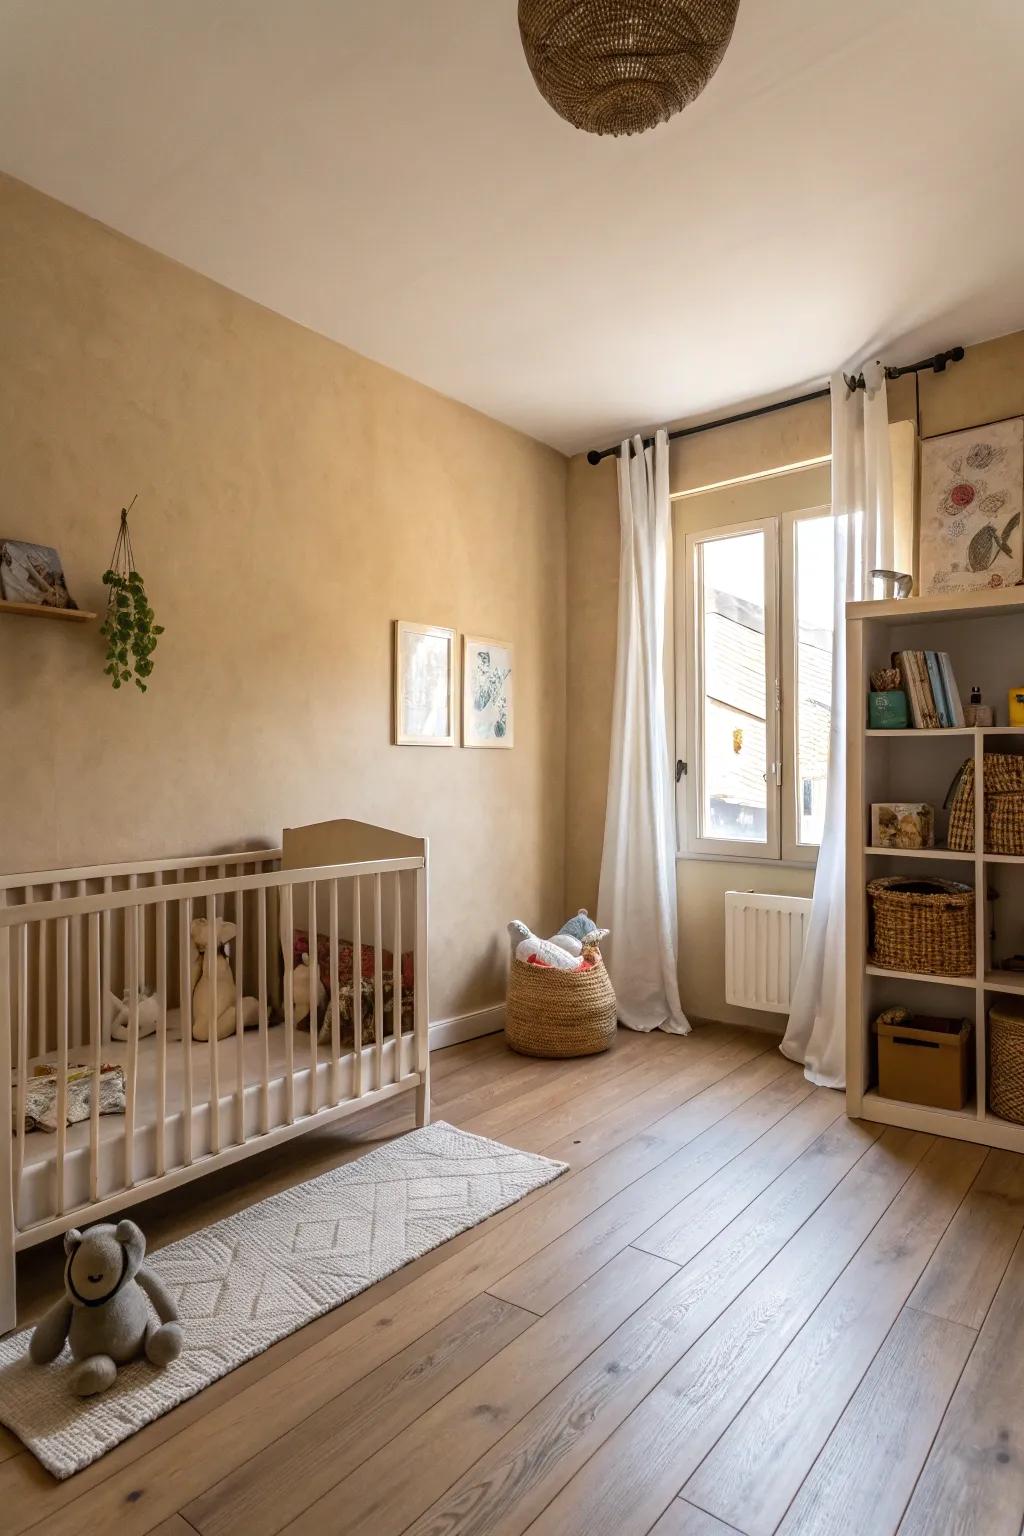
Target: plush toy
{"points": [[105, 1315], [302, 976], [584, 929], [119, 1014], [527, 947], [202, 987]]}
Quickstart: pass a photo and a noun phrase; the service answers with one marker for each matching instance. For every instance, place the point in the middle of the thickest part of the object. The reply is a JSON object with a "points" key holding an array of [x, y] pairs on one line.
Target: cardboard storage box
{"points": [[924, 1060]]}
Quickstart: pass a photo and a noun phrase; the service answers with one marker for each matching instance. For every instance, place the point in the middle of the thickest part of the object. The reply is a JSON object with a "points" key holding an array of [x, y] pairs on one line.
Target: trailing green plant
{"points": [[129, 626]]}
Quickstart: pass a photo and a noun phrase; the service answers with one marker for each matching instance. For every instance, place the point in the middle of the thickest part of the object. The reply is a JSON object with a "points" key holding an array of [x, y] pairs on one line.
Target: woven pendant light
{"points": [[623, 66]]}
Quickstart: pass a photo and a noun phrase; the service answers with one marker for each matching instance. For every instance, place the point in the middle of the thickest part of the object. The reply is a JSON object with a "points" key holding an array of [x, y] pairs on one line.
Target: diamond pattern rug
{"points": [[251, 1279]]}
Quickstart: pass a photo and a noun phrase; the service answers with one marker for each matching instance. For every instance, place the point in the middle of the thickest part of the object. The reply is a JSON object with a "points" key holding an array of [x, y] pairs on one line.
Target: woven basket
{"points": [[923, 926], [1003, 805], [1006, 1061], [559, 1013]]}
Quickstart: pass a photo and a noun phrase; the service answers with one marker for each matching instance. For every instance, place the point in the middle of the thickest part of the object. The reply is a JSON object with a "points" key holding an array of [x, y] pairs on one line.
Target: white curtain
{"points": [[863, 531], [637, 897]]}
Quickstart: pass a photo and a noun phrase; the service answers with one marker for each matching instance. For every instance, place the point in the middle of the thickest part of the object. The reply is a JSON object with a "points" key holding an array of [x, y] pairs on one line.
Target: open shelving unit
{"points": [[984, 635]]}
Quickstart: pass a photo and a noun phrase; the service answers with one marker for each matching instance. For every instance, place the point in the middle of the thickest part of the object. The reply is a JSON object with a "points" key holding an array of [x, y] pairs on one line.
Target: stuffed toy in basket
{"points": [[560, 1000]]}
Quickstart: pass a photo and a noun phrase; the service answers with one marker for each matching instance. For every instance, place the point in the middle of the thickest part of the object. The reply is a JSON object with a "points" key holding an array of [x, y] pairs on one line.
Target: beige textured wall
{"points": [[294, 499], [988, 384]]}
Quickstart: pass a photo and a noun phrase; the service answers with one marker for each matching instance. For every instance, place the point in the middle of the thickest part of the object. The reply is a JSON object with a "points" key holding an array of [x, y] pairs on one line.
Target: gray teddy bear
{"points": [[105, 1315]]}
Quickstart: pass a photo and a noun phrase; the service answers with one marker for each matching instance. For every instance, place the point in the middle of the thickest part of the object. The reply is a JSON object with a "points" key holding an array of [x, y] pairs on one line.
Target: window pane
{"points": [[814, 617], [733, 736]]}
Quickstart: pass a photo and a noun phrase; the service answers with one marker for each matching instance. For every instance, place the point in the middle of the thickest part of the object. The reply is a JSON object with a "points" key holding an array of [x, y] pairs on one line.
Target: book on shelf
{"points": [[956, 707], [931, 690], [931, 659]]}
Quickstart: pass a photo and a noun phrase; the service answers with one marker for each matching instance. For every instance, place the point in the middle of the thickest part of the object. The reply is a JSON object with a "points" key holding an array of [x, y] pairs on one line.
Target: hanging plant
{"points": [[128, 626]]}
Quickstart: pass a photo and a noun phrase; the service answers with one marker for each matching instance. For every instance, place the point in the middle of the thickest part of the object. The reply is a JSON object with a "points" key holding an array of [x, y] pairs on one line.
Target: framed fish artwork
{"points": [[972, 498]]}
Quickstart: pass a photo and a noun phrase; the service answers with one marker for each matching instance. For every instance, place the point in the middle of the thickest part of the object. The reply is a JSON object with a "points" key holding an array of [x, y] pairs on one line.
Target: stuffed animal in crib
{"points": [[303, 977], [106, 1313], [203, 967], [119, 1014]]}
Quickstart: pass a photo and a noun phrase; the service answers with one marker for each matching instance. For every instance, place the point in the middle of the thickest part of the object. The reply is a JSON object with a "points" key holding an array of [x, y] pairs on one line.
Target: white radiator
{"points": [[764, 943]]}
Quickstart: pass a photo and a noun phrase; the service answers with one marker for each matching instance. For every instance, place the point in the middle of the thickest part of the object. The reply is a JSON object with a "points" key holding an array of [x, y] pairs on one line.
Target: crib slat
{"points": [[335, 1018], [96, 1048], [132, 917], [214, 1005], [239, 1032], [378, 984], [421, 999], [273, 898], [289, 1007], [62, 1058], [261, 934], [314, 977], [357, 988], [22, 1082], [185, 995], [42, 955], [160, 920], [396, 978], [76, 973], [105, 922]]}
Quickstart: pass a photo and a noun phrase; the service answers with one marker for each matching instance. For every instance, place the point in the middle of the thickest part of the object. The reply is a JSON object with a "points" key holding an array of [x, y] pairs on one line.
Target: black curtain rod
{"points": [[937, 364]]}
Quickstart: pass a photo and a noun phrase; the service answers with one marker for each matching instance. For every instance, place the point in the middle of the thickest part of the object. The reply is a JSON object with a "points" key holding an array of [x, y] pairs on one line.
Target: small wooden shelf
{"points": [[37, 611], [923, 853]]}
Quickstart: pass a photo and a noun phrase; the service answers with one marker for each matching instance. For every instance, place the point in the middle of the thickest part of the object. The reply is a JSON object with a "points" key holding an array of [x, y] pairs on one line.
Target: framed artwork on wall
{"points": [[972, 498], [424, 685], [488, 680]]}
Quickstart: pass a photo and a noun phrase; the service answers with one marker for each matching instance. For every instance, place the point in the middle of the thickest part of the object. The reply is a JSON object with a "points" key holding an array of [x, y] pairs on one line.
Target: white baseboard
{"points": [[467, 1026]]}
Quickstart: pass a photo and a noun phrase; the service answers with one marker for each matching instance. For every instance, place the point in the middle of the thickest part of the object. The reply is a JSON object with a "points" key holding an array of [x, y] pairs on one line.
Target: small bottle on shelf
{"points": [[977, 713]]}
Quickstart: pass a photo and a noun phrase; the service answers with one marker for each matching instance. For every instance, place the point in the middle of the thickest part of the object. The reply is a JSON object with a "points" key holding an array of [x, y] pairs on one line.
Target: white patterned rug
{"points": [[251, 1279]]}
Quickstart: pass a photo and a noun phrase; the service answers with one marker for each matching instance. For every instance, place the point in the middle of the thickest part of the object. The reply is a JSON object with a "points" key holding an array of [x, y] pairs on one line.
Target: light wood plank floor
{"points": [[738, 1312]]}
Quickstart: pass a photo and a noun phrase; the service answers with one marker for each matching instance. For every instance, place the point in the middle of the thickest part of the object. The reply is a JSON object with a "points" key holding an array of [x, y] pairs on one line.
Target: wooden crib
{"points": [[352, 894]]}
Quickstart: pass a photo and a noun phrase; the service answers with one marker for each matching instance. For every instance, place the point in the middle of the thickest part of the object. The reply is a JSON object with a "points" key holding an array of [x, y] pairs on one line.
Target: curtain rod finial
{"points": [[594, 456]]}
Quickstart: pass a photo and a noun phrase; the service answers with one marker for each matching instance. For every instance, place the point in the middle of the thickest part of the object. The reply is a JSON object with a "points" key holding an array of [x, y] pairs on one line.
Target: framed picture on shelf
{"points": [[424, 664], [488, 679], [32, 573], [972, 499]]}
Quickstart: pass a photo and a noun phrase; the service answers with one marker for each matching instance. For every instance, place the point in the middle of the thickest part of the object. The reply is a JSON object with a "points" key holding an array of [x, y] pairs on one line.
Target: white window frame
{"points": [[780, 845]]}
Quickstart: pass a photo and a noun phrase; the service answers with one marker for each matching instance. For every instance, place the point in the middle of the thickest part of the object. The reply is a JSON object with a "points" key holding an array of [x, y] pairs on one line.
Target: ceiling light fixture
{"points": [[623, 66]]}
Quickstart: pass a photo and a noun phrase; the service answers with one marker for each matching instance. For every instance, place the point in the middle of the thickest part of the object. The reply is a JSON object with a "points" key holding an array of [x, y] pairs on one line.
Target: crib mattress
{"points": [[38, 1193]]}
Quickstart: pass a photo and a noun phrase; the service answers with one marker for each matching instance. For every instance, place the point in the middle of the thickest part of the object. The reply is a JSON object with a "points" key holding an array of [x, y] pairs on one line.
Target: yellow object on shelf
{"points": [[1016, 703]]}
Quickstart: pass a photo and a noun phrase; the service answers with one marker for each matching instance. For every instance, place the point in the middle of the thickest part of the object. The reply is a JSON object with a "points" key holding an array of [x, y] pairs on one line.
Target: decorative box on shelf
{"points": [[902, 824], [924, 1060]]}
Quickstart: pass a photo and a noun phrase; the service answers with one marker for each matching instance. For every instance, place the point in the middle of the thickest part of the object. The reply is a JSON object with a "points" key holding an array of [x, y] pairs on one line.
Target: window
{"points": [[757, 675]]}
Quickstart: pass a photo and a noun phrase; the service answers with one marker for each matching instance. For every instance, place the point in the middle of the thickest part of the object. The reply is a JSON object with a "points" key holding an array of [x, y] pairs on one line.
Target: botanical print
{"points": [[972, 496], [424, 683], [31, 573], [487, 694]]}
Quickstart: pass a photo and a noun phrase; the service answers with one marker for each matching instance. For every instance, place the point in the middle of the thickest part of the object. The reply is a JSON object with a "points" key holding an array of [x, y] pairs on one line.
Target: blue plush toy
{"points": [[584, 929]]}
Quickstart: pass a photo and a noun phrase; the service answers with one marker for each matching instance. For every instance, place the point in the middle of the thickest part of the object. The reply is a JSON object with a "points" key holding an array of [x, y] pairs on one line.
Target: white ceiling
{"points": [[385, 172]]}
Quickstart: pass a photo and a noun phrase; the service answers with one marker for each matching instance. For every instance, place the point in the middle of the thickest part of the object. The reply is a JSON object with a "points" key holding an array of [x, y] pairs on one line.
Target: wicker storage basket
{"points": [[559, 1013], [924, 926], [1006, 1060], [1004, 805]]}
